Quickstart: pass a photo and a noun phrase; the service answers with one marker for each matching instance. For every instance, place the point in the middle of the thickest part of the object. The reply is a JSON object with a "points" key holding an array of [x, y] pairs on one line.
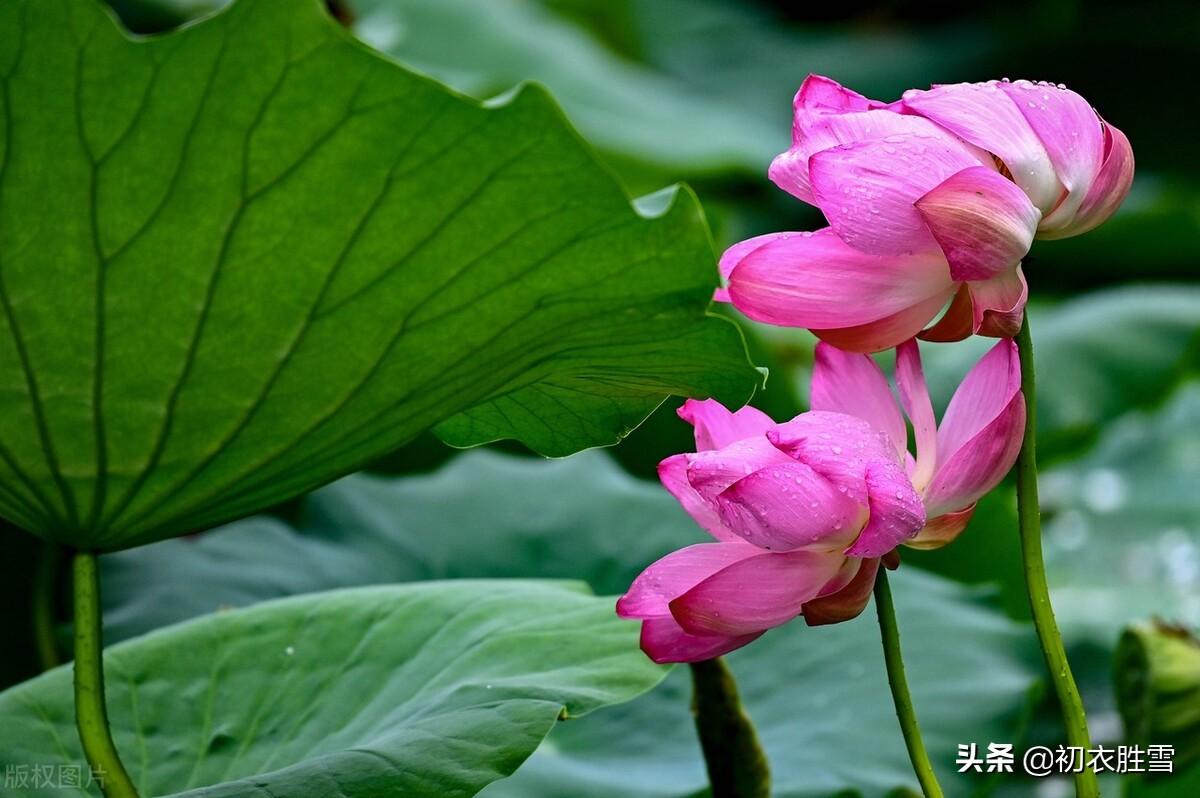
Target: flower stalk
{"points": [[43, 605], [737, 766], [91, 716], [1029, 518], [905, 713]]}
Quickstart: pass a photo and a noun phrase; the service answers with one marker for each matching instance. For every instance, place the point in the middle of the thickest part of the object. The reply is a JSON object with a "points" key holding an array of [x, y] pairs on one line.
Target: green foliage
{"points": [[1098, 355], [812, 692], [250, 256], [1127, 513], [423, 690], [632, 111]]}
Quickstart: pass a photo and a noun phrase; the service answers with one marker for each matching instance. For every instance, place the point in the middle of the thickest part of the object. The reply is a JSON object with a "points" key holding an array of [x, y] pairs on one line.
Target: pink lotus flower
{"points": [[804, 511], [959, 460], [932, 199], [801, 511]]}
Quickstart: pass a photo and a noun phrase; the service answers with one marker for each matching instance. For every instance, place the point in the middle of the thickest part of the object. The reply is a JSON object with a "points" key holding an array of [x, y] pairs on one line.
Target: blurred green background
{"points": [[700, 91]]}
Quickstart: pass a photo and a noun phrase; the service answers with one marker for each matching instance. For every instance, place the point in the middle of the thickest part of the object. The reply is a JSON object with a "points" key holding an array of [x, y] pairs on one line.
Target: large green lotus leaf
{"points": [[815, 693], [242, 259], [420, 690]]}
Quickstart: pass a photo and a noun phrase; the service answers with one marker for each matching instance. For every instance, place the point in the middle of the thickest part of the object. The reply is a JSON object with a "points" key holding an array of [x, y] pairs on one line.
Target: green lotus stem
{"points": [[905, 713], [43, 606], [1029, 516], [91, 717], [737, 766]]}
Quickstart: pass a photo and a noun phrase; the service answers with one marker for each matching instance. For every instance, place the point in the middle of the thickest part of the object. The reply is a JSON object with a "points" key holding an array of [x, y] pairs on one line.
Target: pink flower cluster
{"points": [[931, 199], [803, 511], [932, 202]]}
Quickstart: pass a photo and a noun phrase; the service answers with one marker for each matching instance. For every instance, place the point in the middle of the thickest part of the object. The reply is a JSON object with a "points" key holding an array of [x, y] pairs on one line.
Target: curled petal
{"points": [[981, 432], [891, 330], [664, 640], [842, 578], [1073, 136], [942, 530], [984, 115], [675, 574], [819, 93], [998, 304], [789, 171], [846, 603], [756, 593], [790, 506], [981, 220], [1109, 189], [854, 384], [897, 512], [866, 189], [837, 446], [976, 468], [817, 281], [987, 389], [914, 395], [957, 323], [736, 253], [716, 427], [711, 472], [673, 473]]}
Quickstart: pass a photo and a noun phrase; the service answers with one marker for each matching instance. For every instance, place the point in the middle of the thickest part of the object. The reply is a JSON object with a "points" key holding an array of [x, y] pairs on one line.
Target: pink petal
{"points": [[977, 467], [817, 281], [736, 253], [854, 384], [789, 171], [1073, 136], [790, 506], [716, 427], [711, 472], [998, 304], [983, 394], [847, 603], [891, 330], [867, 189], [914, 395], [842, 578], [982, 221], [818, 92], [1109, 189], [984, 115], [816, 130], [942, 530], [836, 446], [664, 640], [755, 594], [673, 473], [677, 573], [897, 512], [981, 432], [957, 323]]}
